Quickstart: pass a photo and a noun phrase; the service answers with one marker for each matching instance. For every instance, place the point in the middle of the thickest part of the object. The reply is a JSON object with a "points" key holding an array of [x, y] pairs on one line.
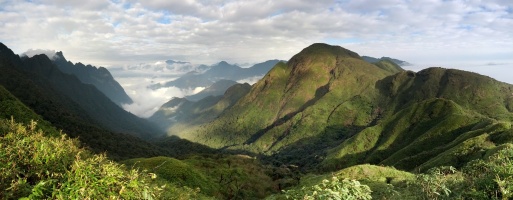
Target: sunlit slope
{"points": [[322, 86], [436, 117], [326, 105]]}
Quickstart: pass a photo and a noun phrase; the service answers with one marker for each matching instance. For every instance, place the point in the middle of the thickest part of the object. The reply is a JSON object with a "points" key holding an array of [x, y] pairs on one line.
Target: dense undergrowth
{"points": [[488, 178], [37, 166]]}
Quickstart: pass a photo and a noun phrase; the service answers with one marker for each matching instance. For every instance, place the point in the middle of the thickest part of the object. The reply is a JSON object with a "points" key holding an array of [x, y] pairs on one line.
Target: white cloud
{"points": [[250, 80], [127, 32], [32, 52], [148, 101]]}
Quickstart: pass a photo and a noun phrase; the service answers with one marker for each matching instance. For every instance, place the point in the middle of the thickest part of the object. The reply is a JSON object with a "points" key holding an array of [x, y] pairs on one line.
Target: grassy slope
{"points": [[434, 118], [296, 100], [326, 96], [223, 177]]}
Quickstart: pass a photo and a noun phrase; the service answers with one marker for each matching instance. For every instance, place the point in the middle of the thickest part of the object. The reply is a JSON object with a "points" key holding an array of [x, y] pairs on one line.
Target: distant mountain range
{"points": [[216, 89], [181, 112], [376, 60], [217, 72]]}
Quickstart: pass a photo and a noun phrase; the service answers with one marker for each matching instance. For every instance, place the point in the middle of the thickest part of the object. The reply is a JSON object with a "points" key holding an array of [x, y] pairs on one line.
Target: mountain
{"points": [[76, 108], [327, 108], [216, 89], [375, 60], [99, 77], [181, 112], [95, 104], [220, 71]]}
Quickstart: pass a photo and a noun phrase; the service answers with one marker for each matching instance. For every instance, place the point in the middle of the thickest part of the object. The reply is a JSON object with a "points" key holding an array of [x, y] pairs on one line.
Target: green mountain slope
{"points": [[222, 177], [12, 108], [35, 92], [297, 100], [328, 106], [437, 117], [178, 113], [95, 104]]}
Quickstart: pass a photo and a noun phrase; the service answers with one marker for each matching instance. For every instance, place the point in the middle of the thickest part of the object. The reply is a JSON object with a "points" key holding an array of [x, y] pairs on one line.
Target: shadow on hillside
{"points": [[308, 153], [319, 93]]}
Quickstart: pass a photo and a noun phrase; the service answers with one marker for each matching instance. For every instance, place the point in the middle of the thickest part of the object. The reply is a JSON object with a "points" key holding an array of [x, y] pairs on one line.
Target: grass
{"points": [[37, 166], [222, 177]]}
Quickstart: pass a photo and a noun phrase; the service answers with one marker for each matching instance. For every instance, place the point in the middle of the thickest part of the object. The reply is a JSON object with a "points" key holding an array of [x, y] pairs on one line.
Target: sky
{"points": [[473, 35], [122, 32]]}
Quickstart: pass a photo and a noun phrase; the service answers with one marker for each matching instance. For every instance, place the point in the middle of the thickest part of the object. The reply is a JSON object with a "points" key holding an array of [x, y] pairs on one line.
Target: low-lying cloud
{"points": [[148, 101], [32, 52]]}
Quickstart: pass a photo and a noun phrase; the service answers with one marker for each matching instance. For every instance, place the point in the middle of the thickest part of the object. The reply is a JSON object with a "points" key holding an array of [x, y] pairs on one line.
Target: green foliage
{"points": [[436, 183], [223, 177], [173, 170], [38, 167], [491, 178], [12, 108], [333, 188]]}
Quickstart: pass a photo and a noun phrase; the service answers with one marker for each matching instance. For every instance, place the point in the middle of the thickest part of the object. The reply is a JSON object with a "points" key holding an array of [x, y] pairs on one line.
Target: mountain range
{"points": [[220, 71], [328, 108], [99, 77], [394, 60], [326, 118], [75, 107]]}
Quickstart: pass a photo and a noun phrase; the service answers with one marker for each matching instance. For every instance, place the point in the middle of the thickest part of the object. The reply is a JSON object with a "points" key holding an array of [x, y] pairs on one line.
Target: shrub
{"points": [[332, 189], [39, 167], [491, 178]]}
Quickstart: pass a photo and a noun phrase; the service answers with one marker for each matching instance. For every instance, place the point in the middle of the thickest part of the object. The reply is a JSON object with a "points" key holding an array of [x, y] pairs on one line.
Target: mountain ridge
{"points": [[100, 77], [221, 70], [325, 97]]}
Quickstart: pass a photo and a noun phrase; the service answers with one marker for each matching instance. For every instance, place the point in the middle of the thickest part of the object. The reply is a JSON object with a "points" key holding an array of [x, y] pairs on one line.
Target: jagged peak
{"points": [[59, 56]]}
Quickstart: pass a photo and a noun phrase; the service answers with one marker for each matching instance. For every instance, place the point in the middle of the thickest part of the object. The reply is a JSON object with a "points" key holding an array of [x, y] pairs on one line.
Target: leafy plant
{"points": [[36, 166], [434, 184], [332, 189]]}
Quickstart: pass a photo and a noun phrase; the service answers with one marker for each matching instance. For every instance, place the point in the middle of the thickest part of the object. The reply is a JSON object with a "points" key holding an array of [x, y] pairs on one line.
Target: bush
{"points": [[491, 178], [332, 189], [39, 167]]}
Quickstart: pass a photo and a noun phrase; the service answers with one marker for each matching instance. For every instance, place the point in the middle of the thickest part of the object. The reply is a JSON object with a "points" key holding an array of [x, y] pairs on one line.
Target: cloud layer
{"points": [[121, 32]]}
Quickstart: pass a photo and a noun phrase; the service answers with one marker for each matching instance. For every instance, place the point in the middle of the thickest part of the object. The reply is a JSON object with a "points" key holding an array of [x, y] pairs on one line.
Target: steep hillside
{"points": [[180, 113], [99, 77], [216, 89], [12, 108], [327, 105], [320, 91], [436, 117], [38, 91], [95, 104]]}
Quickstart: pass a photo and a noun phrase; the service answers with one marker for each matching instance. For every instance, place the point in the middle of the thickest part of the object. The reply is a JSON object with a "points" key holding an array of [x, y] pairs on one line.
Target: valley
{"points": [[327, 123]]}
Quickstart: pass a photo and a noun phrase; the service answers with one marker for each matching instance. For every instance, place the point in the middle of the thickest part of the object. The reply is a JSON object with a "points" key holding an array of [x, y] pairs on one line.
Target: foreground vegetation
{"points": [[488, 178], [38, 166]]}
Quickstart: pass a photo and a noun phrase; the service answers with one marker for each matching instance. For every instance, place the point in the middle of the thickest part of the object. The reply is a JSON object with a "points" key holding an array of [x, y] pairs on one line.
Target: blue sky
{"points": [[447, 33]]}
